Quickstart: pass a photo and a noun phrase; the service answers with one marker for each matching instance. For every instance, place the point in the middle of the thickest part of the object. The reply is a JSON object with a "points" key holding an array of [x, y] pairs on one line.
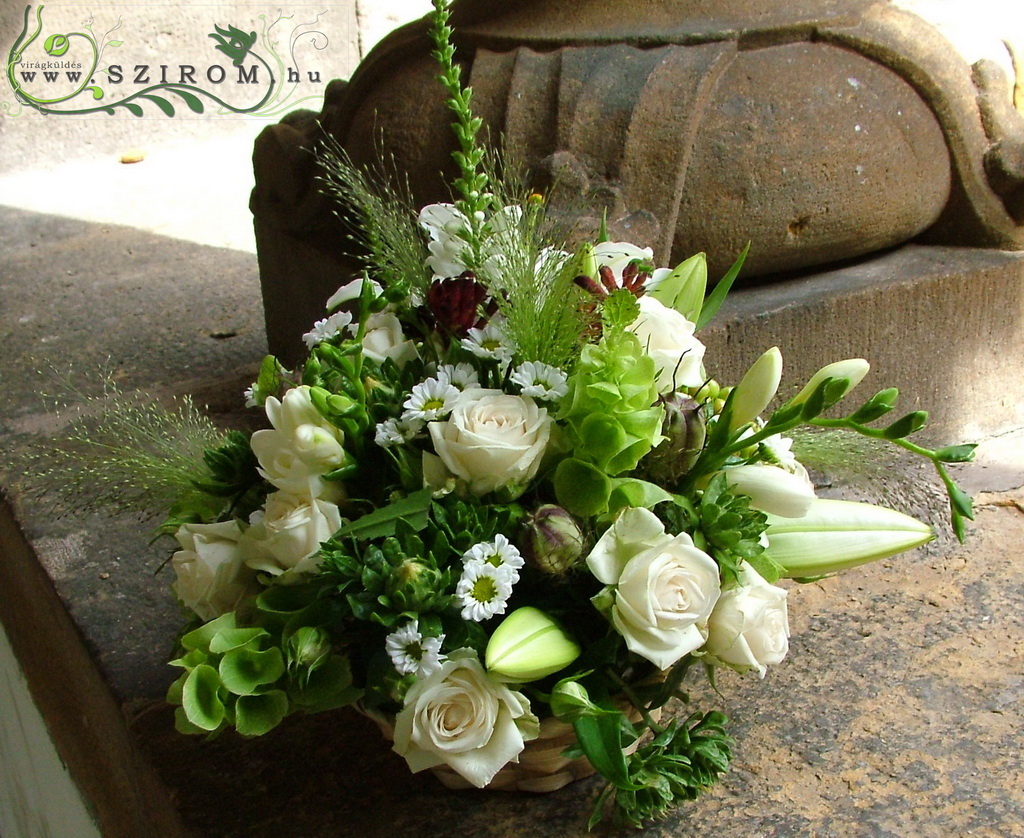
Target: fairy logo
{"points": [[78, 73]]}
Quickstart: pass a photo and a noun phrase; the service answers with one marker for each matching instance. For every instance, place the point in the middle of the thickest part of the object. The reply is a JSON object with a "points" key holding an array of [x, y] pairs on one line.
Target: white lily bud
{"points": [[852, 369], [772, 489], [836, 534], [757, 388], [529, 645]]}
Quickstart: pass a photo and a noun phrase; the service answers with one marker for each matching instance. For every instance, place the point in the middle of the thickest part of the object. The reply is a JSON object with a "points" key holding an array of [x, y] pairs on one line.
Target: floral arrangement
{"points": [[503, 489]]}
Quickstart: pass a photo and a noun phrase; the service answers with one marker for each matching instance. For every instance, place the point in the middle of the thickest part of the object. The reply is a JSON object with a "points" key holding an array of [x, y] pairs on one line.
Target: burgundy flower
{"points": [[455, 303]]}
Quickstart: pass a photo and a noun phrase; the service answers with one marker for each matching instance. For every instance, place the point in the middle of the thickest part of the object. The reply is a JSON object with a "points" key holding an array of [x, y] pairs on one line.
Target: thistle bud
{"points": [[529, 645], [684, 432], [551, 540]]}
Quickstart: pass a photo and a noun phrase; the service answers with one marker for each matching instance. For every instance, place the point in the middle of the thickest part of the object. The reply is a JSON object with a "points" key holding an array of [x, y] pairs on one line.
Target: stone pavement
{"points": [[897, 713]]}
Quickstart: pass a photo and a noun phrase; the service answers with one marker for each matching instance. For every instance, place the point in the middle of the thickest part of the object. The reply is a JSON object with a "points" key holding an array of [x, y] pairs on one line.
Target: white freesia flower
{"points": [[351, 291], [757, 388], [412, 653], [460, 717], [492, 440], [302, 446], [385, 339], [211, 577], [484, 589], [288, 533], [540, 381], [327, 328], [664, 587], [749, 628], [772, 489], [668, 338]]}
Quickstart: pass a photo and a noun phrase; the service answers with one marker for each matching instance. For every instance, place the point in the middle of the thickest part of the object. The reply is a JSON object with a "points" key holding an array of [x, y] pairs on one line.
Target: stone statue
{"points": [[817, 131]]}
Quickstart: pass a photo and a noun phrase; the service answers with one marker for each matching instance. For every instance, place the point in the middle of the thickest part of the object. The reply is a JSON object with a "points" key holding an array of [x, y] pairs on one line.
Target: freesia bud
{"points": [[836, 534], [772, 489], [852, 370], [758, 387], [552, 540], [529, 645]]}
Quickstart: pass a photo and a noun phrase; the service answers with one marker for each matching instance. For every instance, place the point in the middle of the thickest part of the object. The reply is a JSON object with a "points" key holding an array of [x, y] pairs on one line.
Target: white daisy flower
{"points": [[431, 399], [540, 381], [250, 395], [460, 375], [489, 342], [327, 328], [483, 591], [412, 653], [500, 553]]}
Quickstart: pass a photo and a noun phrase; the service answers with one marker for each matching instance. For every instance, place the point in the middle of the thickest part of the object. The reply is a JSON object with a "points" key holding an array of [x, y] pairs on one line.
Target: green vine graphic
{"points": [[233, 42]]}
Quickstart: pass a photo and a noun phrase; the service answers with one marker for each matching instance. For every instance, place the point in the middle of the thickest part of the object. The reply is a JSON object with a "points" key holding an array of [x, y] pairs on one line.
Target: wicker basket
{"points": [[542, 767]]}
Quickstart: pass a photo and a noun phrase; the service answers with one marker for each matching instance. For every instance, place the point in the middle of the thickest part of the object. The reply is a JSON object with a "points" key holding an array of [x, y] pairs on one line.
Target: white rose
{"points": [[458, 716], [211, 574], [668, 338], [773, 489], [749, 628], [384, 339], [492, 440], [302, 446], [287, 535], [664, 587]]}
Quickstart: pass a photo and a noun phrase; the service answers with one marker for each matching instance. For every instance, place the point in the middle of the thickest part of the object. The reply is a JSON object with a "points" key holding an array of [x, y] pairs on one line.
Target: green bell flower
{"points": [[836, 534], [529, 645]]}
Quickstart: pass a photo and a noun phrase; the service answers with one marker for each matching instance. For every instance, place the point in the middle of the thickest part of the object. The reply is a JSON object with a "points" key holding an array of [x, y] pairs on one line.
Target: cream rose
{"points": [[492, 440], [287, 534], [749, 628], [302, 446], [668, 338], [664, 588], [385, 339], [211, 574], [460, 717]]}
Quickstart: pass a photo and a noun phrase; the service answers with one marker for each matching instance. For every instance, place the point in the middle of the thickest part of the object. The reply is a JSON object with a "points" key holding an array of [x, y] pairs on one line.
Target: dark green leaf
{"points": [[906, 425], [956, 453], [161, 103], [721, 291]]}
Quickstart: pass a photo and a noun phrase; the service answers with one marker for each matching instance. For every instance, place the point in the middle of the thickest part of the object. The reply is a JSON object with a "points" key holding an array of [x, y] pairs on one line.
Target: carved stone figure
{"points": [[817, 131]]}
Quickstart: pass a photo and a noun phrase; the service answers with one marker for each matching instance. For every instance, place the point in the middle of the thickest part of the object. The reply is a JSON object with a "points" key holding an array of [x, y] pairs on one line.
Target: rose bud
{"points": [[683, 428], [529, 645], [551, 540]]}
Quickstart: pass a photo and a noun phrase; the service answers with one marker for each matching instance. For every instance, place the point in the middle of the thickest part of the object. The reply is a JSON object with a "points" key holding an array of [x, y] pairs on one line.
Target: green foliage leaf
{"points": [[620, 310], [600, 737], [244, 671], [200, 698], [582, 488], [721, 290], [684, 288], [413, 510], [259, 714]]}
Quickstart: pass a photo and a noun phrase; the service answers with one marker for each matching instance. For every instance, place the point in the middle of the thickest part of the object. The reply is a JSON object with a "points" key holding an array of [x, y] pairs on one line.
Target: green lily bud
{"points": [[551, 540], [528, 645], [852, 370], [836, 534], [684, 432], [586, 262], [758, 387]]}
